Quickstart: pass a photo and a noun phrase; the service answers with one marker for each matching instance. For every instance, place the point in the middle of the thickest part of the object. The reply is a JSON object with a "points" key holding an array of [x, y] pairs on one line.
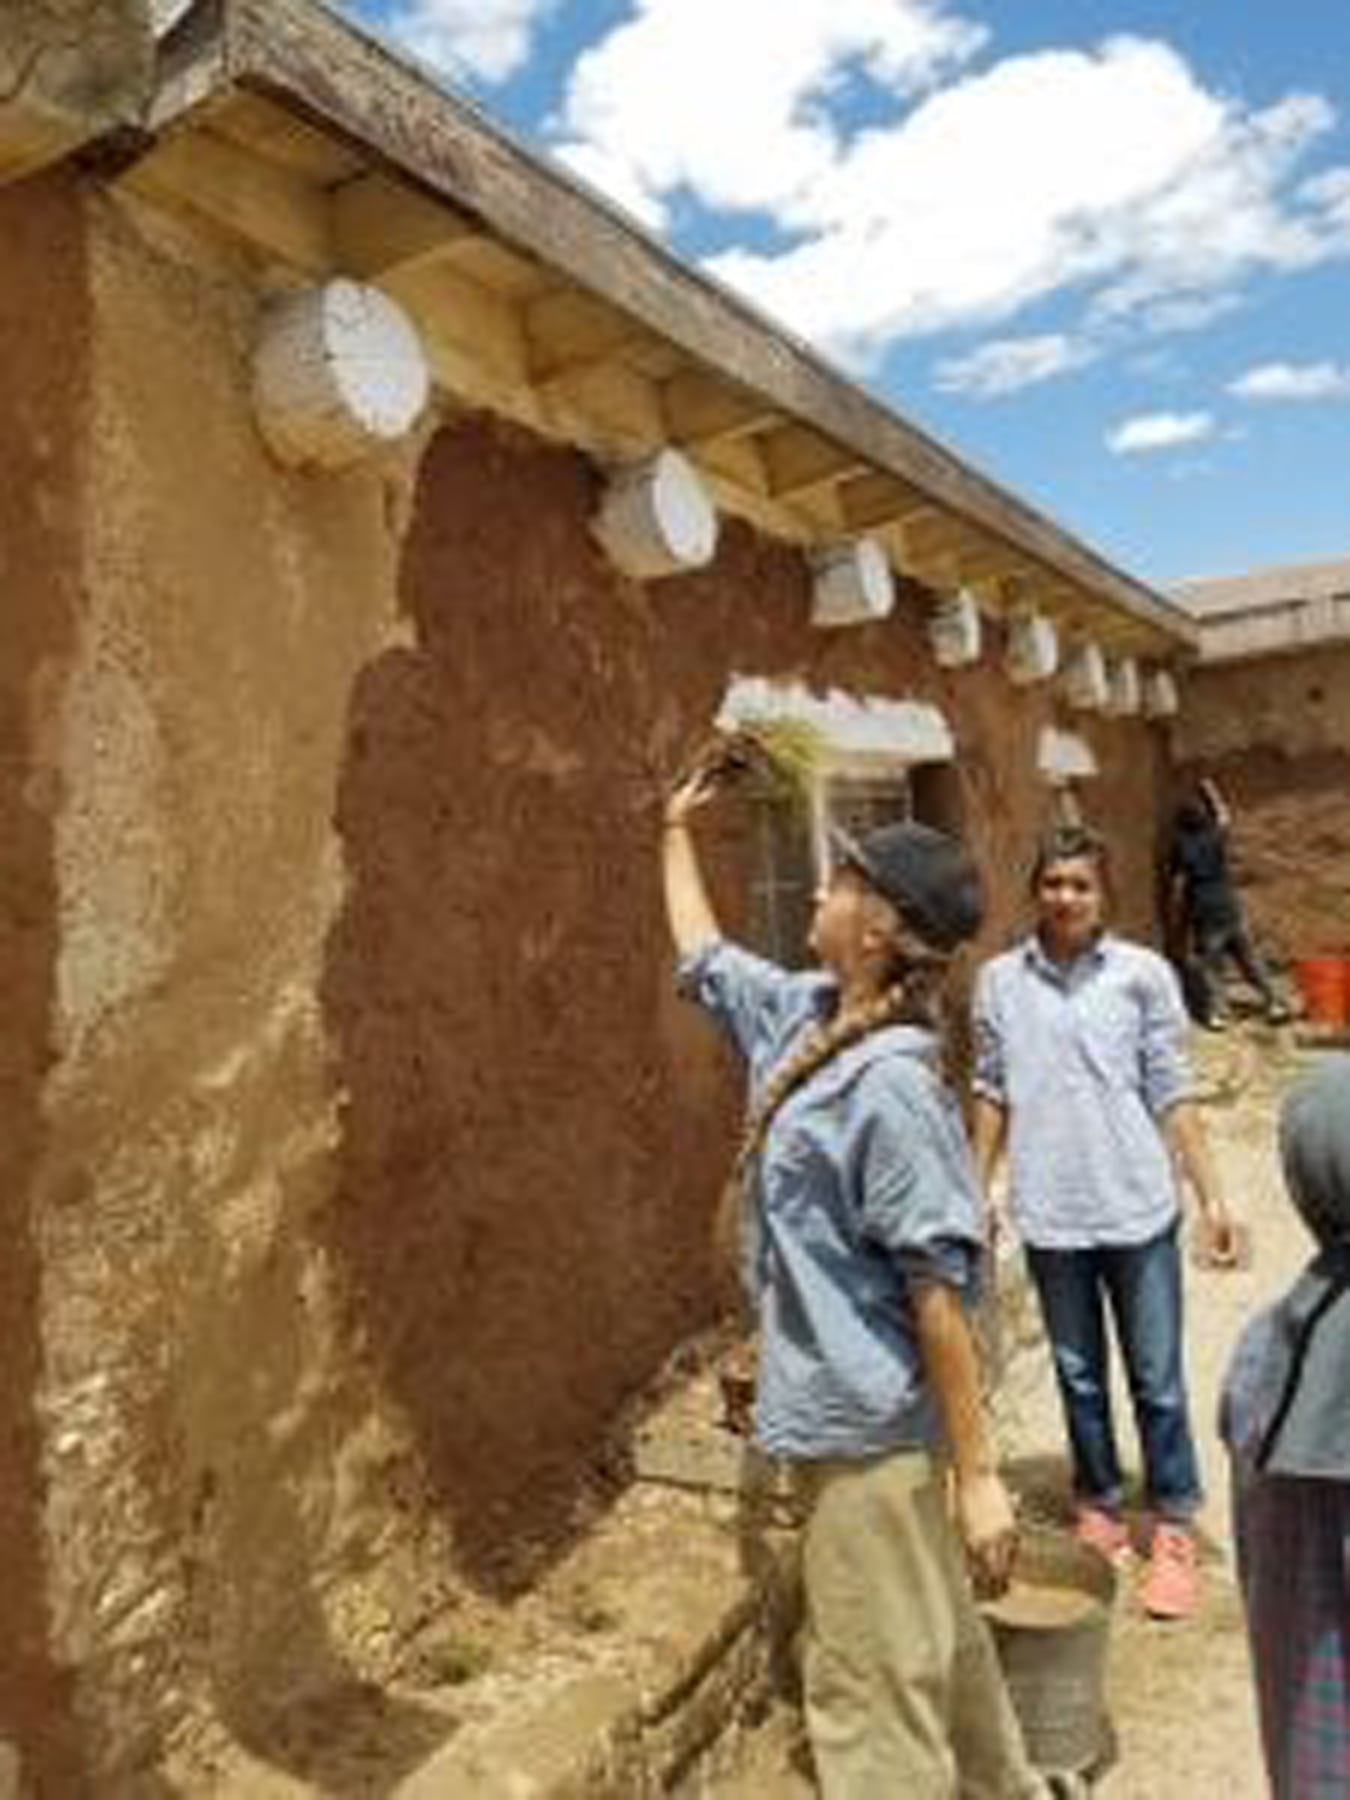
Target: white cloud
{"points": [[1113, 171], [487, 38], [1006, 365], [1294, 381], [731, 99], [1329, 195], [1159, 431], [615, 178]]}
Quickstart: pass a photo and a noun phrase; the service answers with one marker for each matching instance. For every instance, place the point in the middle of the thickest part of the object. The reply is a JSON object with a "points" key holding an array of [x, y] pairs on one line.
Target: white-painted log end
{"points": [[1124, 690], [1033, 648], [1162, 697], [852, 584], [1063, 756], [656, 518], [339, 372], [1085, 679], [956, 631]]}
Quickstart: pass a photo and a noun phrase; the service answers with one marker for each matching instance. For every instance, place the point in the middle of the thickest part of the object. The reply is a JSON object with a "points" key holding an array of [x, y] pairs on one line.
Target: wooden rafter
{"points": [[702, 410], [382, 227], [272, 211], [309, 63], [869, 502], [571, 328], [797, 460]]}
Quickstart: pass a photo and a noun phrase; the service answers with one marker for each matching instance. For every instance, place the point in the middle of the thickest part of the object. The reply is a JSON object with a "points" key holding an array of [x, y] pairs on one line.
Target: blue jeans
{"points": [[1142, 1283]]}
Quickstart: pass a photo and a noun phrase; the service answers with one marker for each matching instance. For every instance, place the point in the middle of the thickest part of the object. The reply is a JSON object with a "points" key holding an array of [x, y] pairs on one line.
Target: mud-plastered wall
{"points": [[370, 1159], [44, 396], [1275, 734], [197, 1420], [536, 1131]]}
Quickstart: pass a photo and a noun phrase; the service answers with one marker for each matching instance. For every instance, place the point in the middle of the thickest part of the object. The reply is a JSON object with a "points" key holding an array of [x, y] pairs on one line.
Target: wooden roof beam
{"points": [[270, 210], [797, 460], [702, 410], [869, 502], [383, 228], [571, 328]]}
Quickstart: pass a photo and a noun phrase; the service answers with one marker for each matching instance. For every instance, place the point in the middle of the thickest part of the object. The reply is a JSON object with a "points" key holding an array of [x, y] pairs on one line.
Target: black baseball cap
{"points": [[928, 877]]}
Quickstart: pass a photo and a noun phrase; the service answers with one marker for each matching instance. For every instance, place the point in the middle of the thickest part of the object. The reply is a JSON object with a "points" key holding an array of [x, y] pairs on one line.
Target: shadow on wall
{"points": [[522, 1234], [43, 309]]}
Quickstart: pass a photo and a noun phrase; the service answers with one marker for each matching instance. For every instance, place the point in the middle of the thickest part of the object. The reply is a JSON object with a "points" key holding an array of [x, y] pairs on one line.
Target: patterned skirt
{"points": [[1294, 1556]]}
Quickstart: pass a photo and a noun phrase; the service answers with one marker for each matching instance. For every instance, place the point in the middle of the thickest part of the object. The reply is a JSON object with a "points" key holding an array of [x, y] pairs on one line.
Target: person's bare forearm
{"points": [[952, 1368], [1189, 1143], [1218, 806], [984, 1513], [989, 1128], [693, 923]]}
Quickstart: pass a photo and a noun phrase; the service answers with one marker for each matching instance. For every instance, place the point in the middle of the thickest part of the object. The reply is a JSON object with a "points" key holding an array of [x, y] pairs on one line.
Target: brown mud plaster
{"points": [[1275, 732], [199, 1410], [536, 1131], [44, 397]]}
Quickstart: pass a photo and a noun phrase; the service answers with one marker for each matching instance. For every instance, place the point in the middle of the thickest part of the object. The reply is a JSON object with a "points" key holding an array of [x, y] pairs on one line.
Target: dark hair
{"points": [[1071, 843]]}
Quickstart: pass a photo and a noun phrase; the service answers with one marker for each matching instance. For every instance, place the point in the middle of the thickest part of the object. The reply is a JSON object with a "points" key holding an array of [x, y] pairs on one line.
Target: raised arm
{"points": [[689, 911], [1216, 803]]}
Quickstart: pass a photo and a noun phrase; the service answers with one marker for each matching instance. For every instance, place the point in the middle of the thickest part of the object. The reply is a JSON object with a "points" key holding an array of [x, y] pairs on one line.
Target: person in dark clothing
{"points": [[1213, 927]]}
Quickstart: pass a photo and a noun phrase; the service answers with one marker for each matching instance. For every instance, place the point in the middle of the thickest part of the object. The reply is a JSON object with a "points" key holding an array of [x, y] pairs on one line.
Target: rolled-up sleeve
{"points": [[743, 992], [990, 1076], [918, 1200], [1165, 1076]]}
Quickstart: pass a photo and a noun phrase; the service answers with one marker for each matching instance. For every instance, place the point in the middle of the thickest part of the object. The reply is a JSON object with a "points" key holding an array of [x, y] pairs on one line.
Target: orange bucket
{"points": [[1324, 982]]}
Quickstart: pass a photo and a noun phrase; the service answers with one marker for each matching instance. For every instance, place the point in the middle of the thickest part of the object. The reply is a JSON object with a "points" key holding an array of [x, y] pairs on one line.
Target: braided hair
{"points": [[911, 997]]}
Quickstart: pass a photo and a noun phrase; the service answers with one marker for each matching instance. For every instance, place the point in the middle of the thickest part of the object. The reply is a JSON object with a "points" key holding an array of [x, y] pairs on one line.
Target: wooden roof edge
{"points": [[303, 55]]}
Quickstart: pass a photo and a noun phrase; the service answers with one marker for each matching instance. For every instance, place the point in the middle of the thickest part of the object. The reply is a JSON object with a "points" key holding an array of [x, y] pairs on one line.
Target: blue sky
{"points": [[1102, 248]]}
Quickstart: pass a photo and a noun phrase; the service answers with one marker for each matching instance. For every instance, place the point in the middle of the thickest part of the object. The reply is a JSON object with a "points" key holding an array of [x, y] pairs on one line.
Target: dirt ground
{"points": [[1179, 1696]]}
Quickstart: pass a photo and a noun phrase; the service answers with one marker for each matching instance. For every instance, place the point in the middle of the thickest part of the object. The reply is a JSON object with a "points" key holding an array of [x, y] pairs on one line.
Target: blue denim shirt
{"points": [[864, 1185], [1087, 1057]]}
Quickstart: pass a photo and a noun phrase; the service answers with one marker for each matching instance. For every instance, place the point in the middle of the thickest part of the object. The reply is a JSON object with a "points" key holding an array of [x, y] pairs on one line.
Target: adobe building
{"points": [[383, 518], [1268, 716]]}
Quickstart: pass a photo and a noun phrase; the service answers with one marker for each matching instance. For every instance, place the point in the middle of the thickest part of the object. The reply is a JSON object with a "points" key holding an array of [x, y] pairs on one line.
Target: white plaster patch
{"points": [[893, 731]]}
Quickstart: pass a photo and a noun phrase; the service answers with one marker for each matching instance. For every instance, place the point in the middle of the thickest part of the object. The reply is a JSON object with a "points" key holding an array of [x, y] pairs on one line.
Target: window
{"points": [[791, 836]]}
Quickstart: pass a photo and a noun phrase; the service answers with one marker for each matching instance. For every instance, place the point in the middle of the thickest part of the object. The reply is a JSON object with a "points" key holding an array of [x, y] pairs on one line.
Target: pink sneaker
{"points": [[1171, 1585], [1103, 1531]]}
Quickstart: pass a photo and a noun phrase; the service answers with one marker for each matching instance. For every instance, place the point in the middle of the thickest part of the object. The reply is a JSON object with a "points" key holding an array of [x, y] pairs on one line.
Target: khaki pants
{"points": [[904, 1696]]}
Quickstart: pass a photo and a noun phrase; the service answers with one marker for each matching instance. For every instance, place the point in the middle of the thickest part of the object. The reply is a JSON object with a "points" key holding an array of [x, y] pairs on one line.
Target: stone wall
{"points": [[1275, 733], [359, 1159]]}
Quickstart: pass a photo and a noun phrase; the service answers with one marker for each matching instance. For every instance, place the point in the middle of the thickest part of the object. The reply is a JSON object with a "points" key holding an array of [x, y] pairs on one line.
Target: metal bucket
{"points": [[1051, 1631]]}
